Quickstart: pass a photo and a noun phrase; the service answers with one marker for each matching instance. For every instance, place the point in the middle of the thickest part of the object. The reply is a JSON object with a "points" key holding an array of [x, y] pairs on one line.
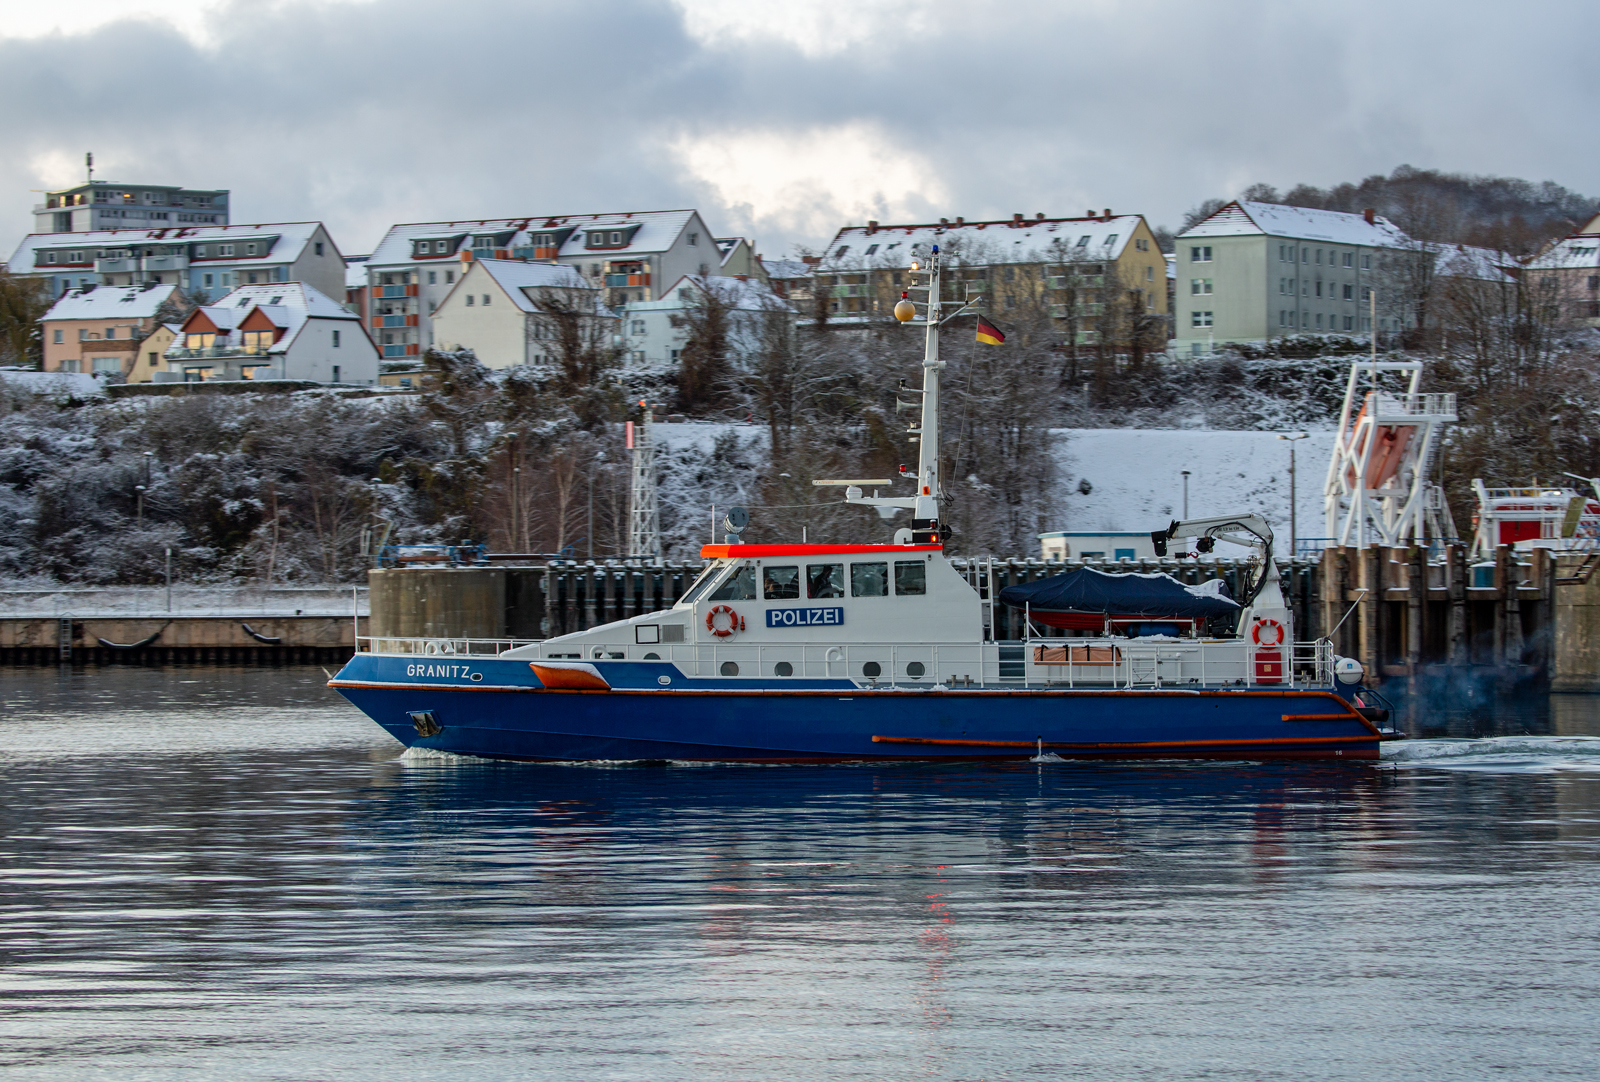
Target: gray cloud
{"points": [[363, 115]]}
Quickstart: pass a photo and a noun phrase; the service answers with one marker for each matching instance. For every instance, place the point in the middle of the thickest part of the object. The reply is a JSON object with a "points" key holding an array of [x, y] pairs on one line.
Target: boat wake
{"points": [[1499, 754]]}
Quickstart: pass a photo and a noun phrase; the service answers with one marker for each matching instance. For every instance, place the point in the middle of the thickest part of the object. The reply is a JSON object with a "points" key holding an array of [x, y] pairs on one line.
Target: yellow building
{"points": [[1078, 270]]}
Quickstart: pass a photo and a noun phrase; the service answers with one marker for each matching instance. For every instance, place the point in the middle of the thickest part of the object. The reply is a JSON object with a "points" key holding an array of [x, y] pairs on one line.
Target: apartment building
{"points": [[1252, 272], [654, 332], [108, 204], [626, 256], [107, 330], [204, 261], [791, 279], [1568, 274], [1073, 267], [281, 330], [494, 311]]}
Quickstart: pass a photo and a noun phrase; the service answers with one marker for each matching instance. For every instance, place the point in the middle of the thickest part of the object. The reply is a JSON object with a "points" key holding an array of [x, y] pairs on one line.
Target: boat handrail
{"points": [[438, 646]]}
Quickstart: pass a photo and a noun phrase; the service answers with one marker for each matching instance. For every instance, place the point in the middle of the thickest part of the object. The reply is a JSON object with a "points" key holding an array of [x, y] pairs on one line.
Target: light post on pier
{"points": [[1186, 495], [1294, 542]]}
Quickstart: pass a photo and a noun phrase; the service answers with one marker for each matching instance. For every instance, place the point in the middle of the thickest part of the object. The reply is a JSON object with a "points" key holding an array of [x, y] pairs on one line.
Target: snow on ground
{"points": [[59, 384], [1135, 477]]}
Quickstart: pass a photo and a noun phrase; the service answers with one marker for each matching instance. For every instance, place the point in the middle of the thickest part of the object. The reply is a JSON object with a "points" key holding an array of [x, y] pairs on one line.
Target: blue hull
{"points": [[498, 709]]}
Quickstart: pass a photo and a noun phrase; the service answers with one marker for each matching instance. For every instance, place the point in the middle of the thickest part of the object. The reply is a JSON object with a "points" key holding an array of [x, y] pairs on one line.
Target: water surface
{"points": [[214, 873]]}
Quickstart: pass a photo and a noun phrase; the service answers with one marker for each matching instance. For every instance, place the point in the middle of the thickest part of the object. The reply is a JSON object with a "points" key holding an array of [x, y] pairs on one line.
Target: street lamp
{"points": [[1294, 542], [1186, 495]]}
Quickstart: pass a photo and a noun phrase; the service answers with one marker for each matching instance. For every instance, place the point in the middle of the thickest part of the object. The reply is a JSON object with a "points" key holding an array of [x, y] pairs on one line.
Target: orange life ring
{"points": [[722, 632], [1277, 632]]}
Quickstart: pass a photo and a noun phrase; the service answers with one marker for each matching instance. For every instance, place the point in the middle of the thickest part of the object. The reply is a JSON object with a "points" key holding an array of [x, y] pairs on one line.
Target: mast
{"points": [[644, 517], [925, 515], [924, 504]]}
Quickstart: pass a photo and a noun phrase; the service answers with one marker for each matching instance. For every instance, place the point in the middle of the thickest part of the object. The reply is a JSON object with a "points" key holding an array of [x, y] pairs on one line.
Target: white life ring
{"points": [[1274, 629]]}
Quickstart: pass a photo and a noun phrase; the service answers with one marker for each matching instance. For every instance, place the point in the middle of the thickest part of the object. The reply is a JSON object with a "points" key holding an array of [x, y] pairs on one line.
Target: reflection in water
{"points": [[240, 878]]}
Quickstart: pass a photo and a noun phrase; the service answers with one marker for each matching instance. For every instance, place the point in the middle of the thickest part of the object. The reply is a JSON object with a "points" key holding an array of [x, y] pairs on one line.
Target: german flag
{"points": [[989, 334]]}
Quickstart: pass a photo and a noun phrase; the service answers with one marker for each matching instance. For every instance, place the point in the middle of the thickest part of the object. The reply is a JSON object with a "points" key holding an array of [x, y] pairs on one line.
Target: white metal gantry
{"points": [[644, 516], [1378, 491]]}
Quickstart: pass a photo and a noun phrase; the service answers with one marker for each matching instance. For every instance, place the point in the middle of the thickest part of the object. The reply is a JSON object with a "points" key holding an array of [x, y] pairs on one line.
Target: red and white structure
{"points": [[1537, 516], [1378, 491]]}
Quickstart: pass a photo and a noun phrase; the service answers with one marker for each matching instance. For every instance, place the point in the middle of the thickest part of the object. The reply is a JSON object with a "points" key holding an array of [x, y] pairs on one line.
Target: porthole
{"points": [[915, 669], [872, 670], [477, 676], [783, 668], [730, 668], [663, 680], [652, 656]]}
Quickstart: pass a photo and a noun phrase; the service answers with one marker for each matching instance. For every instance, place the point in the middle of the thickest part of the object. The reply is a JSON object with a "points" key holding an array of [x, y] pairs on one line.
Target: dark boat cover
{"points": [[1090, 591]]}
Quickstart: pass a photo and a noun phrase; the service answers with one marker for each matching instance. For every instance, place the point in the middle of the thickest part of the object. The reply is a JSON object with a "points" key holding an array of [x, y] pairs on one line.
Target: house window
{"points": [[249, 249], [843, 248], [433, 278], [154, 359], [694, 239], [1366, 262], [1199, 319], [1141, 245], [1200, 255], [1149, 274], [49, 257], [1349, 292], [252, 277], [1319, 257], [469, 300], [58, 336], [1199, 287], [1319, 286], [449, 276], [1283, 317], [336, 373], [224, 249], [83, 334], [1319, 321], [1349, 322], [486, 299], [638, 326], [616, 238], [1111, 240], [1011, 300], [319, 247], [1083, 241], [872, 249], [1347, 259], [335, 339]]}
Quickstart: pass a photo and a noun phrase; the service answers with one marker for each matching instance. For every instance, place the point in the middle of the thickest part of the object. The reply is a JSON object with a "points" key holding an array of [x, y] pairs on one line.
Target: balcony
{"points": [[1081, 310], [397, 291], [1079, 281], [623, 281], [182, 353]]}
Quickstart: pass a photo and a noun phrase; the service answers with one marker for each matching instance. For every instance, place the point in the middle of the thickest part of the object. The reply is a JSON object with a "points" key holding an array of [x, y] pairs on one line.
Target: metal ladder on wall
{"points": [[980, 576]]}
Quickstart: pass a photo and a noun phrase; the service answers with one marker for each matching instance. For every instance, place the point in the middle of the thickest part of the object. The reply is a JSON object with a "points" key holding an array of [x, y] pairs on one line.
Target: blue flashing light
{"points": [[936, 247]]}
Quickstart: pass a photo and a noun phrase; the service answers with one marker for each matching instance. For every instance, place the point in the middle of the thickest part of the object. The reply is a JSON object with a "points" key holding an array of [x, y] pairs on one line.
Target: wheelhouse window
{"points": [[740, 586], [869, 580], [910, 577], [824, 580], [781, 583]]}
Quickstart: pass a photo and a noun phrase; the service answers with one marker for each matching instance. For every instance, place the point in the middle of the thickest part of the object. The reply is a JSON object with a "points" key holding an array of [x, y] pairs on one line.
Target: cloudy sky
{"points": [[779, 120]]}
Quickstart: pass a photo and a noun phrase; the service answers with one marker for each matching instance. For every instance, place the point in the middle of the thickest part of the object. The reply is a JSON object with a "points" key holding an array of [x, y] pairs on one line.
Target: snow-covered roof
{"points": [[289, 306], [1019, 240], [110, 302], [1580, 251], [786, 268], [522, 280], [355, 271], [283, 243], [1465, 261], [743, 294], [1243, 218], [643, 232]]}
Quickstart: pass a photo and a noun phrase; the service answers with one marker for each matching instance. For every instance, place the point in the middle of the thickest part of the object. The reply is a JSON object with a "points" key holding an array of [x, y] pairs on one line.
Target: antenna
{"points": [[88, 161]]}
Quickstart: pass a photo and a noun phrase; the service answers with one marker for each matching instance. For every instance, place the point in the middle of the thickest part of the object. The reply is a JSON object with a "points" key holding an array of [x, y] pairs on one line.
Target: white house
{"points": [[651, 338], [494, 311], [287, 330]]}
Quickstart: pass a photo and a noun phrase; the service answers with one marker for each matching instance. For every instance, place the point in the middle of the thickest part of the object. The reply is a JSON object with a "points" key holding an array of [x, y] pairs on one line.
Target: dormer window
{"points": [[616, 238], [224, 249], [49, 257], [242, 302], [200, 251], [441, 246], [249, 249], [1111, 240]]}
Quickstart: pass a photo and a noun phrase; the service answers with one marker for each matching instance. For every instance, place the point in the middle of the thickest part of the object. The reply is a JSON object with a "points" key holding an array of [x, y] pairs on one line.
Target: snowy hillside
{"points": [[1136, 481]]}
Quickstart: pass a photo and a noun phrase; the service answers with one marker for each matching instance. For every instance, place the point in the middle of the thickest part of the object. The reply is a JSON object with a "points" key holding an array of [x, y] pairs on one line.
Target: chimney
{"points": [[1039, 216], [1108, 214], [1088, 214], [1016, 219], [1369, 214], [960, 220], [944, 221], [872, 227]]}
